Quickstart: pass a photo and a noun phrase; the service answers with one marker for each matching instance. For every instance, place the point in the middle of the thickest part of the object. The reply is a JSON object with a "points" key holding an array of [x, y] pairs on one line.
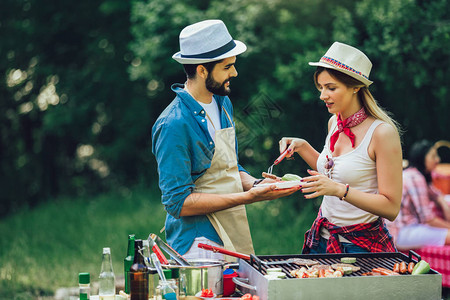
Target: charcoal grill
{"points": [[354, 286]]}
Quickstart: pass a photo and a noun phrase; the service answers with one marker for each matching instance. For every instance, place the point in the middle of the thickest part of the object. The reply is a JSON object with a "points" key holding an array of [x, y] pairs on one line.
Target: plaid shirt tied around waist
{"points": [[371, 236]]}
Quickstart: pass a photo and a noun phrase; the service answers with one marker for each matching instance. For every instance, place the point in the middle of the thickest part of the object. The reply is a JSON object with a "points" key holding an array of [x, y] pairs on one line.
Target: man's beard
{"points": [[215, 87]]}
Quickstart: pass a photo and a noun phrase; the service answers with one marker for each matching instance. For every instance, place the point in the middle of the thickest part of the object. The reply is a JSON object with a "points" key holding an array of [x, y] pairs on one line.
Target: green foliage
{"points": [[83, 82], [45, 248], [405, 40]]}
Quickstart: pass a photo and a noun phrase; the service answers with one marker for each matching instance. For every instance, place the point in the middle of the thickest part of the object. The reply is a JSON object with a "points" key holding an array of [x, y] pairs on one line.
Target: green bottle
{"points": [[128, 261]]}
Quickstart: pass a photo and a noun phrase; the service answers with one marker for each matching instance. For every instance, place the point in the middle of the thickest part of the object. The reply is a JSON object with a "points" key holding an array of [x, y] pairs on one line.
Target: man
{"points": [[204, 189]]}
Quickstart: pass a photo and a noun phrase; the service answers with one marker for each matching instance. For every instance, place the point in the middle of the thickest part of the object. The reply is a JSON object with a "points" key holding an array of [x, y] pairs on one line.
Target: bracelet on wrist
{"points": [[347, 187], [257, 181]]}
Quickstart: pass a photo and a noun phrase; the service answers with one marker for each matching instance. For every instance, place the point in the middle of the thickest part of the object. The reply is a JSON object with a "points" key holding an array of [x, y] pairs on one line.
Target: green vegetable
{"points": [[422, 267], [348, 260], [291, 177], [347, 270]]}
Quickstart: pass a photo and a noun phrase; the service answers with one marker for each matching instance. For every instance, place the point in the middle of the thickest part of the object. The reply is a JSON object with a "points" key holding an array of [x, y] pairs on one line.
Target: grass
{"points": [[45, 248]]}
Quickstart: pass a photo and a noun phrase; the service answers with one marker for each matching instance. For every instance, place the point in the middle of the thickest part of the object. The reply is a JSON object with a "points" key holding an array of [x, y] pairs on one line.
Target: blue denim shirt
{"points": [[184, 149]]}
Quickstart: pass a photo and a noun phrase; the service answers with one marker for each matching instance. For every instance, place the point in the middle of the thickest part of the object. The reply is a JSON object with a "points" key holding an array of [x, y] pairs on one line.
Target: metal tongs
{"points": [[156, 240], [277, 161]]}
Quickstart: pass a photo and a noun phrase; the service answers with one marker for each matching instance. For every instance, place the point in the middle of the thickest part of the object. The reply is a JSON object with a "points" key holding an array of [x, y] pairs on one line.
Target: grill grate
{"points": [[366, 261]]}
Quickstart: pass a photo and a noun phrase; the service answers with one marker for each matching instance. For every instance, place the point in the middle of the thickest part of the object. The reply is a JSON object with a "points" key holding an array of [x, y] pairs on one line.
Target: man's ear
{"points": [[202, 72]]}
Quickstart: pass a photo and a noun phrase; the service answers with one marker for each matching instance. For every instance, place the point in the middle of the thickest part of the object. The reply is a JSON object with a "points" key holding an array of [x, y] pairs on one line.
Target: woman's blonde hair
{"points": [[364, 96]]}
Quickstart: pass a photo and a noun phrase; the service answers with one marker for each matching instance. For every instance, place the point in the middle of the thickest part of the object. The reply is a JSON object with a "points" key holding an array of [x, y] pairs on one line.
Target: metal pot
{"points": [[201, 274]]}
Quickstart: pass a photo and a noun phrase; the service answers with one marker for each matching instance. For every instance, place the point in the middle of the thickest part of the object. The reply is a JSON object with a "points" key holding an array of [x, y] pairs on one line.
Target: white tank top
{"points": [[358, 170]]}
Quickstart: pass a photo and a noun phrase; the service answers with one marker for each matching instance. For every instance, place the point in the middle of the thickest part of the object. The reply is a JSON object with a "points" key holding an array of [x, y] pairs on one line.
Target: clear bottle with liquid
{"points": [[107, 287]]}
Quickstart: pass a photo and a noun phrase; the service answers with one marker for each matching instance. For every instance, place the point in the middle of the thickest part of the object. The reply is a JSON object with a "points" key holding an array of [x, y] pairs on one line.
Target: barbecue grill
{"points": [[354, 286]]}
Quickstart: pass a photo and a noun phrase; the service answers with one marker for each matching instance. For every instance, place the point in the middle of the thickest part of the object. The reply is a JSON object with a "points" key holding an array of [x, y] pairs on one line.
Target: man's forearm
{"points": [[202, 203]]}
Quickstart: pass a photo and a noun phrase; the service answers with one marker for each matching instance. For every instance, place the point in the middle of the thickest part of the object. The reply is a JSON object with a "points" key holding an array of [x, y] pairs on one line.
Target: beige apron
{"points": [[223, 178]]}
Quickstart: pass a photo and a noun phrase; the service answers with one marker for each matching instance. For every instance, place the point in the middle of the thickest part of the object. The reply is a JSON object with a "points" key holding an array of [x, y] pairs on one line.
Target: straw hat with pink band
{"points": [[348, 60]]}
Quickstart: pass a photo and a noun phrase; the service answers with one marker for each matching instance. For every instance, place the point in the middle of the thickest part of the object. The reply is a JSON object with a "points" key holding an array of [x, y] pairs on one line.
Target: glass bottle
{"points": [[167, 290], [107, 288], [138, 274], [84, 281], [153, 277], [146, 252], [128, 261]]}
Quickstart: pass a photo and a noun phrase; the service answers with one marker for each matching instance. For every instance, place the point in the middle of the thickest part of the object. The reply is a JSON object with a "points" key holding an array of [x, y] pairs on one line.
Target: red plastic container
{"points": [[228, 285]]}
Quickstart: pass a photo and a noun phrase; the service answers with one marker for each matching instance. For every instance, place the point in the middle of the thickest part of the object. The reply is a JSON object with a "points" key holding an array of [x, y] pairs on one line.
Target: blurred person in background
{"points": [[359, 170], [204, 189], [424, 218]]}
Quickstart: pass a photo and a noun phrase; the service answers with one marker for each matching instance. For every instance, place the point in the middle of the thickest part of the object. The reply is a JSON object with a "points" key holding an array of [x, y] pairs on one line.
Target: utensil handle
{"points": [[158, 267], [281, 157], [158, 252], [224, 251], [239, 282]]}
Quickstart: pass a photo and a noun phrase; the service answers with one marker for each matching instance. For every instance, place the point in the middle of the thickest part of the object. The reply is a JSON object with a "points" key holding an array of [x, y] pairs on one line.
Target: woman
{"points": [[424, 218], [359, 171]]}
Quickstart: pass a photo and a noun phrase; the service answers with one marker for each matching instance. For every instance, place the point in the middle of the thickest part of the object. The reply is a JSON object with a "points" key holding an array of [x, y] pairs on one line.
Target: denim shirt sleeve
{"points": [[170, 147]]}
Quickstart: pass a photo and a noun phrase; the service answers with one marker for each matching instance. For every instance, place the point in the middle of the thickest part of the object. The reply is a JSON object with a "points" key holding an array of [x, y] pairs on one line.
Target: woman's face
{"points": [[432, 159], [337, 96]]}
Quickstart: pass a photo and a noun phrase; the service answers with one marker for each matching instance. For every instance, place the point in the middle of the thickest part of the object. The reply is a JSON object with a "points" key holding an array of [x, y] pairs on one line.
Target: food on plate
{"points": [[207, 293], [343, 266], [422, 267], [348, 260], [249, 296], [291, 177], [270, 176], [411, 267]]}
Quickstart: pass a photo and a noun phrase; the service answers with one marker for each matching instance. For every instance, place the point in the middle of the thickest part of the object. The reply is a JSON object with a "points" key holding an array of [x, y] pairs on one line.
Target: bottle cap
{"points": [[168, 273], [84, 278], [145, 243], [106, 250]]}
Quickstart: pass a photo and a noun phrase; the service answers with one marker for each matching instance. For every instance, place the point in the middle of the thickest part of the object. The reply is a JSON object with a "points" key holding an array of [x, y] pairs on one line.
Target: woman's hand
{"points": [[319, 185], [292, 144]]}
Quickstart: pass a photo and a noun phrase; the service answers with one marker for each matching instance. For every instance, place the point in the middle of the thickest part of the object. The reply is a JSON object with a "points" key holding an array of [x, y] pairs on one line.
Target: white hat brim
{"points": [[364, 80], [240, 48]]}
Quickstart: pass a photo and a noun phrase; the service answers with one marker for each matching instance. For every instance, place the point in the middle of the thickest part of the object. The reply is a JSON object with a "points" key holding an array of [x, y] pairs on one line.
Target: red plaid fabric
{"points": [[439, 259], [371, 236]]}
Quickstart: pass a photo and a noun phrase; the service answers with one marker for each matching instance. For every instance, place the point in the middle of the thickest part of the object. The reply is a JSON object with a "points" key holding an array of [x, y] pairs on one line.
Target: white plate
{"points": [[281, 184], [198, 295]]}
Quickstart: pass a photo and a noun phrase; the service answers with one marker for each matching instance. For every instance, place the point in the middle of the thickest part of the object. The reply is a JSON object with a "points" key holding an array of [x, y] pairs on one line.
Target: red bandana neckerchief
{"points": [[344, 126]]}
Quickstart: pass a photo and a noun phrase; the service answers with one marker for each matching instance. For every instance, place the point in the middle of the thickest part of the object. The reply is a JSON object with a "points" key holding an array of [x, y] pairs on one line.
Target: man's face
{"points": [[218, 80]]}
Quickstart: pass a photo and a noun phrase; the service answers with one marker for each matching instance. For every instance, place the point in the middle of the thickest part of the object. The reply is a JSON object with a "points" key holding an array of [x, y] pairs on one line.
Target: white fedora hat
{"points": [[207, 41], [348, 60]]}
